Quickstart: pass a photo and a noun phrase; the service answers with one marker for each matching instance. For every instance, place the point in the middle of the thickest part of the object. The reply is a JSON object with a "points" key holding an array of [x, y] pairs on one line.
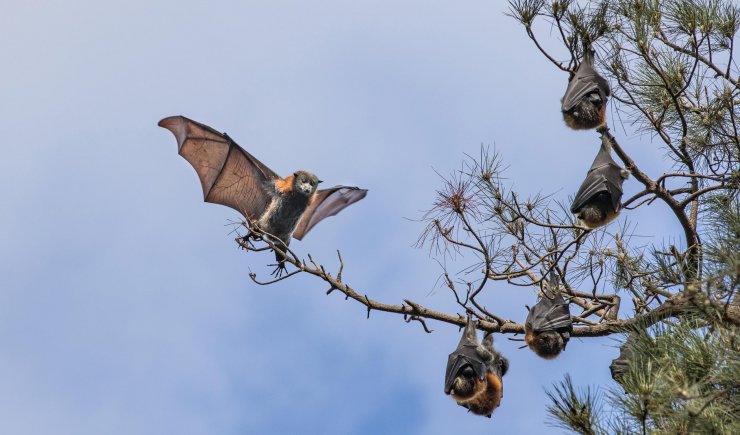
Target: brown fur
{"points": [[593, 217], [528, 337], [284, 185], [467, 388], [487, 399], [587, 118], [547, 345]]}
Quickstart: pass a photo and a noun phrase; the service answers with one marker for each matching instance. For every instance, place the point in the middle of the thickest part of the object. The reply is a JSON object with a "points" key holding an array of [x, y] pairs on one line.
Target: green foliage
{"points": [[573, 409], [680, 379], [675, 378], [673, 73], [722, 247]]}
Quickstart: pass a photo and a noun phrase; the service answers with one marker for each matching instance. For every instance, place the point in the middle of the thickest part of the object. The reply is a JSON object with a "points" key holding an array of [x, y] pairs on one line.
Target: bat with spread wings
{"points": [[598, 200], [474, 373], [584, 102], [548, 325], [279, 207]]}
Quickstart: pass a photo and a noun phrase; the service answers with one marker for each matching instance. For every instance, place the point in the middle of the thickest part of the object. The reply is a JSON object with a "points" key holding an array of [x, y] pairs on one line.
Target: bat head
{"points": [[305, 183], [466, 384], [598, 211], [589, 113], [500, 365], [547, 344]]}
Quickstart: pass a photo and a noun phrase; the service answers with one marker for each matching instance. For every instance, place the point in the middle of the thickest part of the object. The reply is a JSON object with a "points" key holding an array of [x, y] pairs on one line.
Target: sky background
{"points": [[125, 305]]}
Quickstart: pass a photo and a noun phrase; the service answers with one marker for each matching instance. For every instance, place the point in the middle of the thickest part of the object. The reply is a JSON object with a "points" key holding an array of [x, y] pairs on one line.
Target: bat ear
{"points": [[503, 365]]}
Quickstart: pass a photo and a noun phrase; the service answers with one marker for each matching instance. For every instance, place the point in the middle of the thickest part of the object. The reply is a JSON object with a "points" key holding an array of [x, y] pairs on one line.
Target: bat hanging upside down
{"points": [[598, 200], [279, 207], [584, 102], [474, 373], [621, 365], [548, 325]]}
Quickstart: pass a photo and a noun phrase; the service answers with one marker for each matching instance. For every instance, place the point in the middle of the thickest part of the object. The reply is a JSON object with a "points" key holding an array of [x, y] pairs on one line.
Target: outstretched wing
{"points": [[328, 202], [549, 314], [229, 175], [585, 81]]}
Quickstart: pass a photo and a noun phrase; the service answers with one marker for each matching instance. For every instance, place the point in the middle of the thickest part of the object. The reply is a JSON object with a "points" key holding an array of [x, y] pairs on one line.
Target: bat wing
{"points": [[585, 81], [463, 356], [328, 202], [468, 352], [603, 176], [595, 183], [549, 314], [621, 364], [229, 175]]}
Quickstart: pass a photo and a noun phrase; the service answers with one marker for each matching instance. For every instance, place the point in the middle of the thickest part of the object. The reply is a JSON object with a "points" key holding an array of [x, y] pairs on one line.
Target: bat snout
{"points": [[305, 188]]}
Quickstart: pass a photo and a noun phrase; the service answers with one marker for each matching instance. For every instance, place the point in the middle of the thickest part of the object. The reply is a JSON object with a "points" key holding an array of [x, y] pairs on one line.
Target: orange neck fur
{"points": [[284, 185], [485, 400]]}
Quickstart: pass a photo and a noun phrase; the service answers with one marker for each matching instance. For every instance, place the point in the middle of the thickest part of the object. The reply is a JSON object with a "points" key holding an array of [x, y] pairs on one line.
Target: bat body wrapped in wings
{"points": [[584, 102], [598, 200], [548, 325], [281, 207], [474, 372], [620, 365]]}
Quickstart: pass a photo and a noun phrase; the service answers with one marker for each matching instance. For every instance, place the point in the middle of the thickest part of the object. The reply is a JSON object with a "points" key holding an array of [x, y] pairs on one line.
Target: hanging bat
{"points": [[620, 365], [584, 102], [548, 325], [279, 207], [598, 200], [474, 372]]}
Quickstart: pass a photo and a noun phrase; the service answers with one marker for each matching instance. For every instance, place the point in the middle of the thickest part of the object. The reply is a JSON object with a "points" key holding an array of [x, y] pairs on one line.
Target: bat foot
{"points": [[280, 269], [247, 243]]}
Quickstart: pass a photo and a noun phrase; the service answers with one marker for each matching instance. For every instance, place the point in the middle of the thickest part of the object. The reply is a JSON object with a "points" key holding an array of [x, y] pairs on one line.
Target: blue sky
{"points": [[125, 306]]}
